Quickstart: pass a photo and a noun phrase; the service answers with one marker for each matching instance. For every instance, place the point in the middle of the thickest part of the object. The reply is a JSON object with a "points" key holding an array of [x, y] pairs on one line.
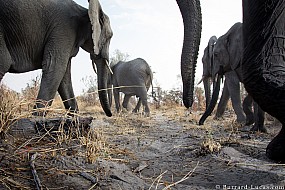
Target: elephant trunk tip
{"points": [[109, 114], [201, 121]]}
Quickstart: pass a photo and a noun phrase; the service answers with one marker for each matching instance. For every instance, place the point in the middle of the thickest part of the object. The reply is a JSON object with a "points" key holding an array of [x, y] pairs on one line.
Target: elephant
{"points": [[227, 55], [263, 63], [133, 78], [231, 85], [47, 34]]}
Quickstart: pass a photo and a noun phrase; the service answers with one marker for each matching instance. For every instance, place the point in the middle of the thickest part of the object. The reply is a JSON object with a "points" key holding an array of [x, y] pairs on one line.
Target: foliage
{"points": [[199, 99], [90, 97], [10, 107], [31, 90], [119, 56]]}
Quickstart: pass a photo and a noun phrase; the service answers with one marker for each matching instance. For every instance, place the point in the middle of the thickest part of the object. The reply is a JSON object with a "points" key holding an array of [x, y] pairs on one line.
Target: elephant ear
{"points": [[235, 45], [94, 15]]}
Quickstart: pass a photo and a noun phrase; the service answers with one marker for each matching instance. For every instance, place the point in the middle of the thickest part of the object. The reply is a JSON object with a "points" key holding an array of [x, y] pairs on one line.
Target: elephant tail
{"points": [[153, 94]]}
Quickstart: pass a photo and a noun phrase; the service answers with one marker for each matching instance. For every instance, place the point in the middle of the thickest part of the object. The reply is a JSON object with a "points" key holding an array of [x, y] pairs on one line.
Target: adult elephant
{"points": [[263, 64], [231, 87], [133, 78], [228, 55], [46, 34]]}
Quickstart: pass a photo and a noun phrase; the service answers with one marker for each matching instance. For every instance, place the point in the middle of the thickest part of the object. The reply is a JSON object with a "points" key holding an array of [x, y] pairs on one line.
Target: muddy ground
{"points": [[167, 150]]}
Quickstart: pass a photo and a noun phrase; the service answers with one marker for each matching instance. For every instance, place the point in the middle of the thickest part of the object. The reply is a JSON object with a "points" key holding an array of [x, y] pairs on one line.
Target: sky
{"points": [[152, 30]]}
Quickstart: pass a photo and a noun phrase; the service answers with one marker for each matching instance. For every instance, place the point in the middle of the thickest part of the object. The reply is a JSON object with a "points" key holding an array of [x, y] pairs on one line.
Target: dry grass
{"points": [[51, 142]]}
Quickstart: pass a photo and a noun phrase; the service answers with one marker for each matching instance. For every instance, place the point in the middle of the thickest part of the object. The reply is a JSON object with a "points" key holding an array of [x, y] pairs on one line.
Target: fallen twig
{"points": [[183, 179], [157, 179], [34, 172]]}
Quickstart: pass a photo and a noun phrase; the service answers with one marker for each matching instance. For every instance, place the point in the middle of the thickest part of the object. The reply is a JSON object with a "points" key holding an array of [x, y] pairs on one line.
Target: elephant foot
{"points": [[135, 111], [249, 121], [147, 114], [241, 120], [276, 148], [260, 128]]}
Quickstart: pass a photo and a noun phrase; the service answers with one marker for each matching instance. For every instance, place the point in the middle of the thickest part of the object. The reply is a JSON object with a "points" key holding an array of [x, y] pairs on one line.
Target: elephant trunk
{"points": [[110, 93], [207, 87], [192, 19], [103, 73], [214, 100]]}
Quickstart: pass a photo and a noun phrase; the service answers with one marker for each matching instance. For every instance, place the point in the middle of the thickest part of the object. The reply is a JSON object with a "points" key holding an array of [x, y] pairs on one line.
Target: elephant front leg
{"points": [[54, 69], [234, 90], [46, 94], [66, 93]]}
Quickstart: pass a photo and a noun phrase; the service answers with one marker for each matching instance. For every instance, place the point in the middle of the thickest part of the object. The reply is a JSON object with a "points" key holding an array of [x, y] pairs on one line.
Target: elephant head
{"points": [[101, 35], [227, 57], [207, 61], [192, 19]]}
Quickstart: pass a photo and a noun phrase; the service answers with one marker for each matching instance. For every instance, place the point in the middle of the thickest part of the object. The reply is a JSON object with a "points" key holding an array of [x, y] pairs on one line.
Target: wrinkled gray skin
{"points": [[133, 78], [263, 64], [46, 34], [192, 19], [228, 54], [231, 87]]}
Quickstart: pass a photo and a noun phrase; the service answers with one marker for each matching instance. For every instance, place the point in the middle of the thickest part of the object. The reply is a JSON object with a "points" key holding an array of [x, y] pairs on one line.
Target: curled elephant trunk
{"points": [[192, 19], [103, 73], [207, 87], [213, 102]]}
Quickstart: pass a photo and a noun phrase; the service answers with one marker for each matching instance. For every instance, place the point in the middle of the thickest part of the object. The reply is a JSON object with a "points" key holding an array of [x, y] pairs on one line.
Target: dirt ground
{"points": [[167, 150]]}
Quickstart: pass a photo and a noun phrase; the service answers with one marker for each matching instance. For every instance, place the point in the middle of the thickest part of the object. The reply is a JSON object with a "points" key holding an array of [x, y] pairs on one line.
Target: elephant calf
{"points": [[133, 78]]}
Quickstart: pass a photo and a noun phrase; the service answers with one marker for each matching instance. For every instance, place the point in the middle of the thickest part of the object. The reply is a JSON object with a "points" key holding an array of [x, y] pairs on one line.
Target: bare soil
{"points": [[167, 150]]}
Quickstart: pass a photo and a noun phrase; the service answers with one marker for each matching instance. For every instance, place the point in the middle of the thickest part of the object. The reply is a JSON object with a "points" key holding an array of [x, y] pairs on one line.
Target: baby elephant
{"points": [[133, 78]]}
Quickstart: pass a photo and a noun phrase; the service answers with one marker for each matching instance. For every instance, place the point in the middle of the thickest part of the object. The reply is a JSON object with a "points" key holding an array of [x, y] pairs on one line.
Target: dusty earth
{"points": [[168, 150]]}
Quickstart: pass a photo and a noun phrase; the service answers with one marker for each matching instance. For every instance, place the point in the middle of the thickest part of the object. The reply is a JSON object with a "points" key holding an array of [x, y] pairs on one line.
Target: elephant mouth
{"points": [[94, 57]]}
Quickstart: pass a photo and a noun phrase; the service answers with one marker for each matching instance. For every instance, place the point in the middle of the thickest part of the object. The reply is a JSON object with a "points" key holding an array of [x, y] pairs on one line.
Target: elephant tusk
{"points": [[94, 66], [203, 77], [108, 65]]}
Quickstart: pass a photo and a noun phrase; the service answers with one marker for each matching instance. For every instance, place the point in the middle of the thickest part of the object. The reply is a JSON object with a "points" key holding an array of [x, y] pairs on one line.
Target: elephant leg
{"points": [[117, 99], [223, 101], [259, 115], [137, 108], [54, 69], [143, 98], [126, 101], [234, 90], [247, 108], [66, 93]]}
